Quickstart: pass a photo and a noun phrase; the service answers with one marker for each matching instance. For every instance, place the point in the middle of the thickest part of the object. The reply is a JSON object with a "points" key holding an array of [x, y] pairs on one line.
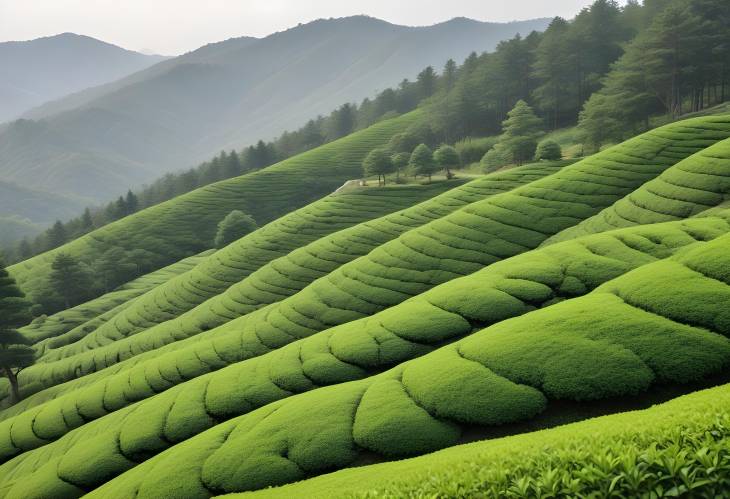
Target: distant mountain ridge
{"points": [[36, 71], [98, 142]]}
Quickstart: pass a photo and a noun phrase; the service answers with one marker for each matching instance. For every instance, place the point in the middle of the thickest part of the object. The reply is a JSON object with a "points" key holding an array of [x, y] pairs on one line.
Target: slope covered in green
{"points": [[46, 333], [349, 332], [679, 447], [280, 278], [624, 339], [694, 185], [186, 225], [237, 261], [354, 350]]}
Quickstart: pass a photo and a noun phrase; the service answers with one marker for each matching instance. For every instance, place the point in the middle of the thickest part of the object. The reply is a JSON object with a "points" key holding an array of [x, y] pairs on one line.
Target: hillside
{"points": [[36, 71], [508, 278], [400, 320], [183, 110], [630, 453], [186, 225]]}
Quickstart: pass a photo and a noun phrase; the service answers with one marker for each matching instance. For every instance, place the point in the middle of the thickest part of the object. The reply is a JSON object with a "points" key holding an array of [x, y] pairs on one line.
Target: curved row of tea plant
{"points": [[677, 448], [663, 323], [694, 185], [225, 267], [69, 325], [352, 351], [186, 225], [302, 266], [249, 254], [457, 244]]}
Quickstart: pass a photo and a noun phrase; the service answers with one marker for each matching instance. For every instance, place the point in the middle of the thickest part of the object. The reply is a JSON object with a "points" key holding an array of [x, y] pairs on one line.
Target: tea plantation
{"points": [[186, 225], [383, 323], [462, 242], [677, 448]]}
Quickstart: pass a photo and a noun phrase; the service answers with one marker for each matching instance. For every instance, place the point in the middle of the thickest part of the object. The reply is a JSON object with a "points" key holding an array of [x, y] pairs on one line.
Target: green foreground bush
{"points": [[675, 449]]}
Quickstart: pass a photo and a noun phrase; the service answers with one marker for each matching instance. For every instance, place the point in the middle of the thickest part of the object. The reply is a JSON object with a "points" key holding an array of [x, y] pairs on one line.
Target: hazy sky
{"points": [[172, 27]]}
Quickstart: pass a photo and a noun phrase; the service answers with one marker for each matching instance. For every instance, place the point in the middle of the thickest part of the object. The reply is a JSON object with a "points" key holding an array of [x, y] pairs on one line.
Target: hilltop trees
{"points": [[679, 64], [15, 354], [234, 226], [378, 162], [422, 162]]}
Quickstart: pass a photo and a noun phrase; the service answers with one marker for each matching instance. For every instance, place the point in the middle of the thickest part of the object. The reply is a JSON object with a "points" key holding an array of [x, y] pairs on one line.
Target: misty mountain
{"points": [[99, 142], [36, 71]]}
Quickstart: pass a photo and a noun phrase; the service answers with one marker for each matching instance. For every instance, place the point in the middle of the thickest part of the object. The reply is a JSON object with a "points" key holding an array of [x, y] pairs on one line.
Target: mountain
{"points": [[36, 71], [25, 212], [101, 141]]}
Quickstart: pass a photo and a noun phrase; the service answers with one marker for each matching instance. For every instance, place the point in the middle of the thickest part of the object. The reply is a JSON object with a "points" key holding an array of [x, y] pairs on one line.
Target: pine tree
{"points": [[87, 222], [70, 279], [449, 75], [232, 166], [426, 82], [56, 235], [521, 130], [422, 162], [120, 208], [553, 67], [15, 353], [342, 122], [24, 250], [131, 203]]}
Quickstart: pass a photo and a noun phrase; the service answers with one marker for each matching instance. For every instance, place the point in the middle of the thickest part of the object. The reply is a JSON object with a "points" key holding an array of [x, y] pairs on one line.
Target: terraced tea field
{"points": [[186, 225], [385, 323]]}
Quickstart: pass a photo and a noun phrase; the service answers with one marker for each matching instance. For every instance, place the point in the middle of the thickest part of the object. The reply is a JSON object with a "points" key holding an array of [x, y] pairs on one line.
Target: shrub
{"points": [[472, 150], [234, 226], [496, 158], [548, 150]]}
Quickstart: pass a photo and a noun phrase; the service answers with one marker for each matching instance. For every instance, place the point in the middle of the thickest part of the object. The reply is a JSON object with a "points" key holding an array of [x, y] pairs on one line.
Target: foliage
{"points": [[14, 312], [521, 129], [234, 226], [680, 63], [70, 279], [447, 159], [364, 286], [472, 150], [689, 188], [422, 162], [548, 150], [378, 162], [497, 157], [505, 373]]}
